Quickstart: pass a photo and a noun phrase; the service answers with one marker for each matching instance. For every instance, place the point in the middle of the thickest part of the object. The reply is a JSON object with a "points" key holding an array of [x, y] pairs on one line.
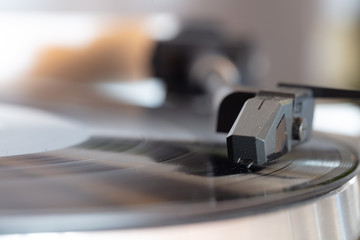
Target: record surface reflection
{"points": [[106, 183]]}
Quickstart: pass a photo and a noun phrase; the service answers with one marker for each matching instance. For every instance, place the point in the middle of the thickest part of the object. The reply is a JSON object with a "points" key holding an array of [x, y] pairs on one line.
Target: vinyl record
{"points": [[99, 182], [108, 183]]}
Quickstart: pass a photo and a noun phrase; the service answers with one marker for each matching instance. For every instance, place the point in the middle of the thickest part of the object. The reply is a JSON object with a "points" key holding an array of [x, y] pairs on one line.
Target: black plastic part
{"points": [[242, 149], [230, 108], [172, 60], [321, 92]]}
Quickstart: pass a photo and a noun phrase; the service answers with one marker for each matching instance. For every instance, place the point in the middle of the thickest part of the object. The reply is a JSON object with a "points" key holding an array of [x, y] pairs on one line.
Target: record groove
{"points": [[156, 180]]}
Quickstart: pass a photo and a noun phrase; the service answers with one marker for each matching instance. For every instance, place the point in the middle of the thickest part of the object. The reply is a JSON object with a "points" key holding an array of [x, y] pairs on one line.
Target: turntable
{"points": [[169, 178], [100, 169]]}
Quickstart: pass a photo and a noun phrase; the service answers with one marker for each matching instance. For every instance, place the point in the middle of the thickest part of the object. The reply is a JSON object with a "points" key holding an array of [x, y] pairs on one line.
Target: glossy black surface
{"points": [[144, 183], [108, 172]]}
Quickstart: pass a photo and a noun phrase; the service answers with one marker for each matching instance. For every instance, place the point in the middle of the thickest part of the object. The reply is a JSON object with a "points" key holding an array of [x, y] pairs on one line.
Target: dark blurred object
{"points": [[200, 59]]}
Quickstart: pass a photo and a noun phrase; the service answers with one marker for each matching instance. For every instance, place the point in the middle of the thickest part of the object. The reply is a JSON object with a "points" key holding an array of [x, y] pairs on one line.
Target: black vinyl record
{"points": [[112, 183]]}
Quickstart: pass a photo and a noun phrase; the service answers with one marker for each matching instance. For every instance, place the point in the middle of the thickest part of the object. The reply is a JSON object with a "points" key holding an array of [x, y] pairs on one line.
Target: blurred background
{"points": [[310, 41], [71, 51]]}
